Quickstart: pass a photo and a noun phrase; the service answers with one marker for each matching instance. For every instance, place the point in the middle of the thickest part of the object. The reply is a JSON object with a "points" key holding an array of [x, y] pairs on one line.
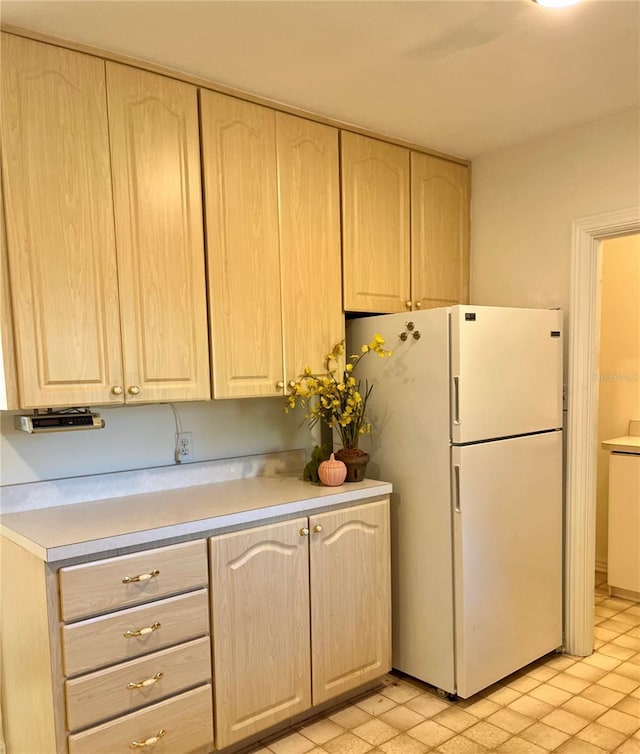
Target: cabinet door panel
{"points": [[260, 626], [241, 208], [309, 196], [156, 184], [59, 212], [375, 217], [350, 598], [439, 232]]}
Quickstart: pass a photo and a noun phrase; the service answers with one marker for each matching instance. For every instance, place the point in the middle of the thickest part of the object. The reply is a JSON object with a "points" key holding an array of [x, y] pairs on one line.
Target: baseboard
{"points": [[601, 565]]}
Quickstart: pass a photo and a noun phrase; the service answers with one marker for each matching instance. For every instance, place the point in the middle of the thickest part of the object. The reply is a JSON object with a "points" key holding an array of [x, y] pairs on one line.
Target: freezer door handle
{"points": [[456, 399], [456, 488]]}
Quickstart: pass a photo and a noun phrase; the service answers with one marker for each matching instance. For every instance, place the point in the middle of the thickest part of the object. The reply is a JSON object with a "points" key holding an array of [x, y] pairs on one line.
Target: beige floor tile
{"points": [[321, 731], [542, 673], [576, 746], [584, 708], [635, 632], [604, 612], [505, 694], [524, 684], [565, 721], [616, 651], [569, 683], [631, 619], [430, 733], [615, 625], [635, 609], [401, 718], [401, 692], [487, 734], [551, 694], [599, 735], [620, 721], [479, 707], [604, 634], [586, 671], [427, 705], [404, 744], [598, 661], [635, 659], [602, 695], [347, 743], [618, 604], [517, 745], [510, 720], [628, 641], [376, 732], [636, 693], [560, 662], [461, 745], [619, 683], [629, 670], [528, 705], [350, 717], [628, 747], [545, 736], [456, 719], [375, 704], [630, 705], [293, 743]]}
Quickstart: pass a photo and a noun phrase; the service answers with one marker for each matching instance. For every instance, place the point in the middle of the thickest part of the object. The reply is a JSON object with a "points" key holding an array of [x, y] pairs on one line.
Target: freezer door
{"points": [[506, 372], [507, 556]]}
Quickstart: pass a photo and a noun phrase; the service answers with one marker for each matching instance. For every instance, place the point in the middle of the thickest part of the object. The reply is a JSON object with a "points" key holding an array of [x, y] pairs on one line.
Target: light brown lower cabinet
{"points": [[300, 615]]}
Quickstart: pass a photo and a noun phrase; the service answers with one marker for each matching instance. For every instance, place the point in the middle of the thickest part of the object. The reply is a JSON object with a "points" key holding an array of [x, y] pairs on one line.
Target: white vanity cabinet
{"points": [[623, 569]]}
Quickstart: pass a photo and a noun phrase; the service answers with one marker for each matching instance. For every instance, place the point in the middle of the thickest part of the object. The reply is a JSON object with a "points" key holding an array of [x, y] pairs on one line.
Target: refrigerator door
{"points": [[507, 511], [506, 372]]}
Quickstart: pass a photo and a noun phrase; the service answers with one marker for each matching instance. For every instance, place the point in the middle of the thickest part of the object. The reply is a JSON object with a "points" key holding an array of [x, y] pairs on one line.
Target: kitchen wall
{"points": [[619, 393], [138, 437]]}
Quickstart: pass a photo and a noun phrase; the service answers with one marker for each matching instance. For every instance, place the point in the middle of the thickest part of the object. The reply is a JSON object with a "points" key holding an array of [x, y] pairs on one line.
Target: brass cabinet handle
{"points": [[146, 682], [117, 390], [317, 528], [304, 532], [141, 577], [134, 390], [279, 385], [292, 383], [418, 304], [409, 304], [141, 631], [148, 741]]}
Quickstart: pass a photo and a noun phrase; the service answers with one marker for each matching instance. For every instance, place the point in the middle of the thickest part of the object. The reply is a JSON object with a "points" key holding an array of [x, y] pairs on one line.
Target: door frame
{"points": [[582, 420]]}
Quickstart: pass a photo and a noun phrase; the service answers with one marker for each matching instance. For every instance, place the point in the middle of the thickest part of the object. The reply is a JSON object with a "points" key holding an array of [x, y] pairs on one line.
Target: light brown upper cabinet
{"points": [[405, 222], [375, 224], [72, 296], [439, 232], [273, 244]]}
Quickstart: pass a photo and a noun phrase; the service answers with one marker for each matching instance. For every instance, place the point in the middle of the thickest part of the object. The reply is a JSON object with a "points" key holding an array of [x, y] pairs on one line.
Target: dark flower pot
{"points": [[356, 461]]}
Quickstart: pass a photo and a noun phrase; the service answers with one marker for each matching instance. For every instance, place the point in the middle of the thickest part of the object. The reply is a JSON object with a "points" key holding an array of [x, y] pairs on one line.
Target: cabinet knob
{"points": [[117, 390], [317, 528], [134, 390], [292, 383], [304, 532], [418, 304], [408, 304], [279, 385]]}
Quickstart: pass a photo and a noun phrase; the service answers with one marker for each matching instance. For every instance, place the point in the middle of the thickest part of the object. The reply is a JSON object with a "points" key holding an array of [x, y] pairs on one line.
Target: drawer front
{"points": [[187, 722], [131, 685], [96, 642], [104, 585]]}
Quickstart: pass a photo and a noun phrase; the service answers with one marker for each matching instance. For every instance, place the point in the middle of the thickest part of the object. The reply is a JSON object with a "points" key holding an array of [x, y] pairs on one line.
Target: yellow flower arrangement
{"points": [[340, 399]]}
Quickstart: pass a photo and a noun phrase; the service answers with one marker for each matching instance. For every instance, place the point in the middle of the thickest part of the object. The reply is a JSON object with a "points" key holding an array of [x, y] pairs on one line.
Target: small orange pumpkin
{"points": [[332, 473]]}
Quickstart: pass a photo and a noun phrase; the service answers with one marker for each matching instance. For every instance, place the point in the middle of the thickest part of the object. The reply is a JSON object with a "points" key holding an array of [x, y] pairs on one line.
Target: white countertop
{"points": [[91, 528], [627, 444]]}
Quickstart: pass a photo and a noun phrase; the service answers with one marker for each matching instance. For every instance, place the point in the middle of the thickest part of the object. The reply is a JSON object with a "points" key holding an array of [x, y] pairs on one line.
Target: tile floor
{"points": [[560, 704]]}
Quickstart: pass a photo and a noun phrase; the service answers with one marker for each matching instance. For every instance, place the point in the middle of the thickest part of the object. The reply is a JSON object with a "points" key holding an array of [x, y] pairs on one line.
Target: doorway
{"points": [[582, 422]]}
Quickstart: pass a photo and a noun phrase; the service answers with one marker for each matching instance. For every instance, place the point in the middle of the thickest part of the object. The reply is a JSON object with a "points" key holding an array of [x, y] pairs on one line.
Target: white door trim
{"points": [[582, 420]]}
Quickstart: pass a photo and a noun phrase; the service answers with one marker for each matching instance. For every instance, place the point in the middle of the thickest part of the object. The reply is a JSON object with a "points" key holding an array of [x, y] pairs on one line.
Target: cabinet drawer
{"points": [[96, 642], [105, 694], [187, 722], [93, 588]]}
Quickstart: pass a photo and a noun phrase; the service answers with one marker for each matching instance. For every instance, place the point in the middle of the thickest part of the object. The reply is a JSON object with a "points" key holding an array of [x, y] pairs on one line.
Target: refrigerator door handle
{"points": [[456, 488], [456, 399]]}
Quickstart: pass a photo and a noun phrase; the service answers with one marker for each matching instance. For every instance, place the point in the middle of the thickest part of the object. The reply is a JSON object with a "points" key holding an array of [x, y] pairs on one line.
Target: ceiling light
{"points": [[556, 3]]}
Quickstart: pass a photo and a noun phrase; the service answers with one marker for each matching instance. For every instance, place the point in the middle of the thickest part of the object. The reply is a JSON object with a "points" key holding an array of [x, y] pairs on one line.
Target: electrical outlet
{"points": [[184, 447]]}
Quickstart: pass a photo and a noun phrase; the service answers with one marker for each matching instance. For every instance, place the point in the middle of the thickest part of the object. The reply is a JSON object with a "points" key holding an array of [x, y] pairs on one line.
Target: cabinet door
{"points": [[241, 209], [350, 598], [59, 216], [153, 123], [309, 203], [439, 232], [375, 217], [260, 622]]}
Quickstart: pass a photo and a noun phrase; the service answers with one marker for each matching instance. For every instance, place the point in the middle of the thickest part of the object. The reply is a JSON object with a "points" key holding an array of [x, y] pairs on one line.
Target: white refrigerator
{"points": [[467, 417]]}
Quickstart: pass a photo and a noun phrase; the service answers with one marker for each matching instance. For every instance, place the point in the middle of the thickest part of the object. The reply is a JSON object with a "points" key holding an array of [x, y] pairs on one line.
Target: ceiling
{"points": [[464, 77]]}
